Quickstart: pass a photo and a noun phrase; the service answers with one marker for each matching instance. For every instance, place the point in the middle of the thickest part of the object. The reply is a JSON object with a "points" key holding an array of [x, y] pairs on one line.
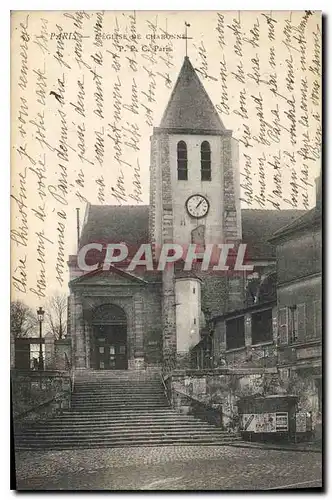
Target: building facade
{"points": [[281, 330], [299, 300]]}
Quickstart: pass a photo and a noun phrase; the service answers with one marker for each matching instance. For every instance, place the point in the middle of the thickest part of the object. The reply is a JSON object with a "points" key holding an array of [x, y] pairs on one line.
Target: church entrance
{"points": [[110, 338]]}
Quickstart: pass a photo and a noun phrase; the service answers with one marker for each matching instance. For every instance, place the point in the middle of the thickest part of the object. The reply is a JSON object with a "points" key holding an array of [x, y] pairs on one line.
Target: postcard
{"points": [[166, 229]]}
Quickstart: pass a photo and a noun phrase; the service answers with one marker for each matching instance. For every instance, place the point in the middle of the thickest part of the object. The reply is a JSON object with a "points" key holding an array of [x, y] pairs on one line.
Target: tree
{"points": [[56, 315], [22, 319]]}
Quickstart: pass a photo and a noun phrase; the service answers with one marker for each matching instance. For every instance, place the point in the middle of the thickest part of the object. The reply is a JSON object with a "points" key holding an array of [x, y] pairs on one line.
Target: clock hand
{"points": [[199, 203]]}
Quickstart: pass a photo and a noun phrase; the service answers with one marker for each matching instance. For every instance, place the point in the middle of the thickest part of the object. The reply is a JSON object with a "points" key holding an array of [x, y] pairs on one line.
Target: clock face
{"points": [[197, 206]]}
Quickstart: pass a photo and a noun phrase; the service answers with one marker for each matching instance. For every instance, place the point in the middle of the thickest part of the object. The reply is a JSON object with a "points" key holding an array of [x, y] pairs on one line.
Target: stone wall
{"points": [[168, 311], [231, 206], [220, 389], [153, 335], [214, 294], [161, 231], [37, 395], [62, 351]]}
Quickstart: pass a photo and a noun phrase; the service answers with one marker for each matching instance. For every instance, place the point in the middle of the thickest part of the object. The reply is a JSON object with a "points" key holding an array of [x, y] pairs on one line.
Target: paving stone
{"points": [[167, 468]]}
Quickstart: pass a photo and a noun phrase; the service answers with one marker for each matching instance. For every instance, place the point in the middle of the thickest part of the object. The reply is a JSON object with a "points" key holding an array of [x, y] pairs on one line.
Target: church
{"points": [[120, 319]]}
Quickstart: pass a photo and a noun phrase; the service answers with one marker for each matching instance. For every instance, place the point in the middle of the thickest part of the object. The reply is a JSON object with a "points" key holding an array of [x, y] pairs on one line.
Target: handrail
{"points": [[169, 364], [165, 389], [34, 408], [190, 396]]}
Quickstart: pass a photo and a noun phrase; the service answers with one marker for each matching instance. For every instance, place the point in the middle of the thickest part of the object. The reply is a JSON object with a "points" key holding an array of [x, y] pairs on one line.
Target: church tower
{"points": [[194, 181], [194, 191]]}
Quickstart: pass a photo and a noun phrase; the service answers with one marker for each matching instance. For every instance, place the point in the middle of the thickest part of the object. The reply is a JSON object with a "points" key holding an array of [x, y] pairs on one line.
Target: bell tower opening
{"points": [[109, 331]]}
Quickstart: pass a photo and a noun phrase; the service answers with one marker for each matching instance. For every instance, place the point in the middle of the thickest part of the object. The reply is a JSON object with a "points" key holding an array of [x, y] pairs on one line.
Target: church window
{"points": [[182, 157], [205, 161], [194, 290]]}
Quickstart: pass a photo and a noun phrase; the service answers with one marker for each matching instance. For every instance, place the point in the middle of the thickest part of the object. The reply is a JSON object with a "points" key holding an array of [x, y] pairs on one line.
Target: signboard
{"points": [[301, 422], [249, 422], [265, 422], [282, 421]]}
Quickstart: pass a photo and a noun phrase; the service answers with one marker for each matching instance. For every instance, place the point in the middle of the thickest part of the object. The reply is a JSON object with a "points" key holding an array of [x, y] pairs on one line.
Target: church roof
{"points": [[116, 224], [258, 227], [309, 220], [189, 106], [130, 224]]}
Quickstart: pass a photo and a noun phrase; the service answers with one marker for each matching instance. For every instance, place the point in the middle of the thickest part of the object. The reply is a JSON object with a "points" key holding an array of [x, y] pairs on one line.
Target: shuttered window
{"points": [[292, 324], [318, 318], [301, 322], [283, 325]]}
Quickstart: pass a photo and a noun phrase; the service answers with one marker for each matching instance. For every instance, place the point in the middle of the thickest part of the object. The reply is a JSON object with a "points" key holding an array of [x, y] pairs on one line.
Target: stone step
{"points": [[114, 407], [118, 390], [103, 387], [119, 422], [162, 412], [114, 418], [125, 412], [112, 390], [112, 378], [118, 382], [119, 396], [118, 409], [61, 424], [75, 441], [124, 444], [142, 403], [114, 401], [120, 432]]}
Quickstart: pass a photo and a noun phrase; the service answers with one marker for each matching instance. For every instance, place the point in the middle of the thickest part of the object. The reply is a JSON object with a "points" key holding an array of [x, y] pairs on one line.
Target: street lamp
{"points": [[40, 316]]}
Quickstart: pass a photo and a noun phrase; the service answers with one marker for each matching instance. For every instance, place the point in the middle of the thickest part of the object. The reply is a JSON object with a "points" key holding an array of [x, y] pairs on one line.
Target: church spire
{"points": [[190, 107], [187, 25]]}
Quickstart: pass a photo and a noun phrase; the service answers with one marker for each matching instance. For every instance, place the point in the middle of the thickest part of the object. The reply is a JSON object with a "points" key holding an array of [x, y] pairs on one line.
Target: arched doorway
{"points": [[109, 325]]}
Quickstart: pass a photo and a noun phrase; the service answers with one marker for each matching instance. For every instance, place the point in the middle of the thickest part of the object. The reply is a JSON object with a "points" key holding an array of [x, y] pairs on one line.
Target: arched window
{"points": [[182, 161], [205, 161]]}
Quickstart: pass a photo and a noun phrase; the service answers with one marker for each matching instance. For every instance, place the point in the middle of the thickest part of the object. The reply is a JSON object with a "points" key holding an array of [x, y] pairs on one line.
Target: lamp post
{"points": [[40, 316]]}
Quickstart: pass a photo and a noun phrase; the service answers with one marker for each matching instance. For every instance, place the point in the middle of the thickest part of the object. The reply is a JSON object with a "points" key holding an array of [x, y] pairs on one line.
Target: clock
{"points": [[197, 206]]}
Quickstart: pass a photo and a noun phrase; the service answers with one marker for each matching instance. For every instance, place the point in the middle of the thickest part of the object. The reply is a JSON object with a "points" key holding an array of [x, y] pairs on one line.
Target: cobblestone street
{"points": [[168, 468]]}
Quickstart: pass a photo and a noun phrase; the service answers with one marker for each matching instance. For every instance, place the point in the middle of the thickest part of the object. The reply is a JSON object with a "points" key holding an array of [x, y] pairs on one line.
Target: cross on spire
{"points": [[187, 25]]}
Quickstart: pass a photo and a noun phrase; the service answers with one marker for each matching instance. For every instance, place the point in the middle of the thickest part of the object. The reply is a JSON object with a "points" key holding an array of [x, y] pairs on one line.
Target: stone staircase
{"points": [[118, 409]]}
